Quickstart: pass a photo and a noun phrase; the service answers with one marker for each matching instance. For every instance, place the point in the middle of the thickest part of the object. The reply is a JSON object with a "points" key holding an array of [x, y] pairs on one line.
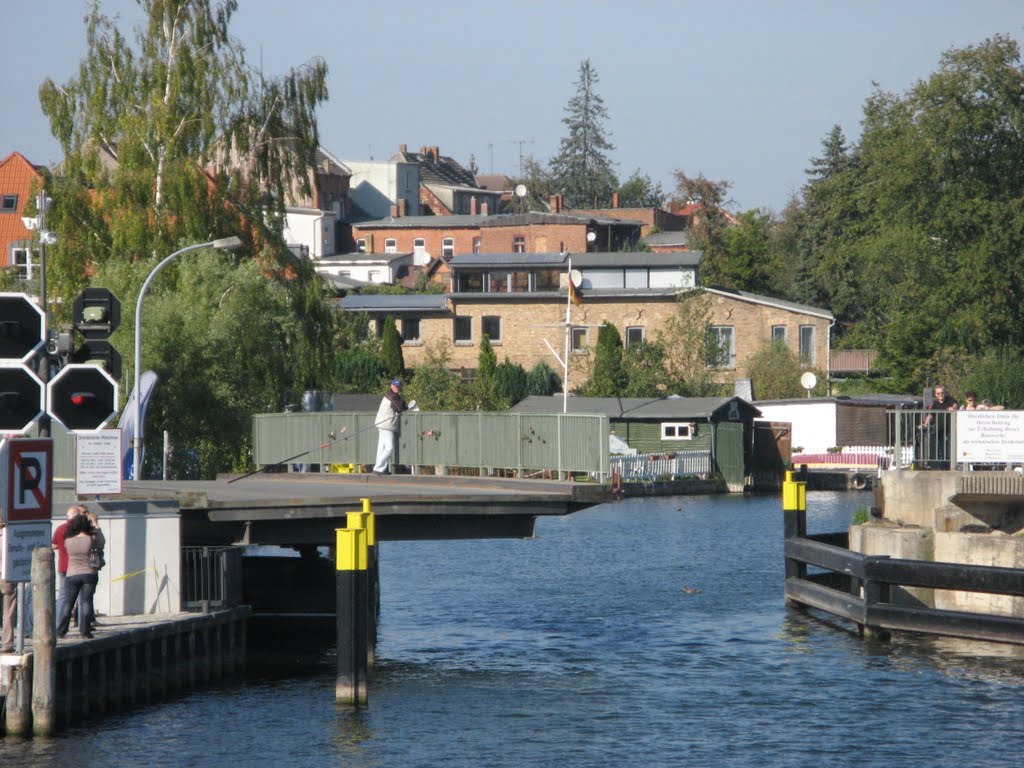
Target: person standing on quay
{"points": [[82, 577], [57, 542], [387, 421]]}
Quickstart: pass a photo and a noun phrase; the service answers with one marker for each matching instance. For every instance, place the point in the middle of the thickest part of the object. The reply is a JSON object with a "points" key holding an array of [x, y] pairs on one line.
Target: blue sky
{"points": [[741, 91]]}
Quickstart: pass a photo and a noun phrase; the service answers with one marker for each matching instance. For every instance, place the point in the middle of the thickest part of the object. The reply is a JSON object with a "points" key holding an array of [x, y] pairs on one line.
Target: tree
{"points": [[643, 367], [435, 387], [709, 222], [607, 377], [510, 383], [539, 186], [359, 369], [487, 362], [641, 192], [542, 380], [582, 170], [688, 347], [774, 373], [391, 357]]}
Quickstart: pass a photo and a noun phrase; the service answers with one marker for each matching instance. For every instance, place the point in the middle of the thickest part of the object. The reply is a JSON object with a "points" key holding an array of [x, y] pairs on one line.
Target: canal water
{"points": [[644, 633]]}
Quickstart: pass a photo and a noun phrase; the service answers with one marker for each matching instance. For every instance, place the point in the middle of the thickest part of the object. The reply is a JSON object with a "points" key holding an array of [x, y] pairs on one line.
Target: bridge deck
{"points": [[292, 509]]}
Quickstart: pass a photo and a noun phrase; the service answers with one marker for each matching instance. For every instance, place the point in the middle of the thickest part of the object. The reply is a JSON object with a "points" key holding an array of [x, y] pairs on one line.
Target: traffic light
{"points": [[22, 327], [21, 397], [82, 397], [96, 313]]}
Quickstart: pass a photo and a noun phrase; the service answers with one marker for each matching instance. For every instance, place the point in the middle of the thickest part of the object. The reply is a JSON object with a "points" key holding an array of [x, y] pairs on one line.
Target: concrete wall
{"points": [[143, 554], [997, 549]]}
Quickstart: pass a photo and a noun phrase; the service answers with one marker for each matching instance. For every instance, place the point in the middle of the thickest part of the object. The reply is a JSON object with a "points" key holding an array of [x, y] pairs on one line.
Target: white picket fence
{"points": [[656, 466]]}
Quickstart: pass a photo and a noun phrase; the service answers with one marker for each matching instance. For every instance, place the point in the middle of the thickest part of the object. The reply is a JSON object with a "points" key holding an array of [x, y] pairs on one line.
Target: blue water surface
{"points": [[650, 632]]}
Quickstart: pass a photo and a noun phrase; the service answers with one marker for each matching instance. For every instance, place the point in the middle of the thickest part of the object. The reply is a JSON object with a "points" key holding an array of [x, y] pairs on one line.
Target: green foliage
{"points": [[435, 387], [996, 375], [688, 347], [709, 225], [359, 369], [860, 516], [539, 187], [487, 362], [542, 380], [581, 169], [391, 357], [644, 370], [510, 383], [607, 377], [913, 235], [641, 192], [774, 372]]}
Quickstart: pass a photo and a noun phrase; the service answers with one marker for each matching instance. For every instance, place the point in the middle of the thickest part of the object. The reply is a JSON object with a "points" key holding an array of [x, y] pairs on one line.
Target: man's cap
{"points": [[396, 383]]}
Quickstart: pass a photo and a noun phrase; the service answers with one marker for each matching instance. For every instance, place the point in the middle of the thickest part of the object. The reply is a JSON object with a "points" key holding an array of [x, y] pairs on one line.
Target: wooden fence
{"points": [[859, 587]]}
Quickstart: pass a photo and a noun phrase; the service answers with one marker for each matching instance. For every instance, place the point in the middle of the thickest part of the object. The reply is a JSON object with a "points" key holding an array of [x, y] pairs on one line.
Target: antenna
{"points": [[520, 142]]}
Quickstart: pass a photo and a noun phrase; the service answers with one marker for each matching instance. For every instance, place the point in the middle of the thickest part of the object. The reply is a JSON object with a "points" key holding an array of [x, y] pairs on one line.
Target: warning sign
{"points": [[26, 479]]}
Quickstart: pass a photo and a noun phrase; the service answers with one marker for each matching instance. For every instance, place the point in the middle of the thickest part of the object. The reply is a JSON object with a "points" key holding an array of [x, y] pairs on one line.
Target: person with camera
{"points": [[83, 544]]}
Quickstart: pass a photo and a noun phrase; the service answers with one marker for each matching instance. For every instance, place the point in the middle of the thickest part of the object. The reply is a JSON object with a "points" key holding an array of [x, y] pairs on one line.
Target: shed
{"points": [[721, 425]]}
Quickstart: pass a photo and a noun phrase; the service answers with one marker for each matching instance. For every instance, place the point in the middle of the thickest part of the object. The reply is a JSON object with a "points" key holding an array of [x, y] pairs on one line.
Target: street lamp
{"points": [[223, 244]]}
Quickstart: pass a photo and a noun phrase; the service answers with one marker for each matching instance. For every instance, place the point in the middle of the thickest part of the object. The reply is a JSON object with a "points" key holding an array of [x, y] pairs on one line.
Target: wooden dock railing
{"points": [[859, 587]]}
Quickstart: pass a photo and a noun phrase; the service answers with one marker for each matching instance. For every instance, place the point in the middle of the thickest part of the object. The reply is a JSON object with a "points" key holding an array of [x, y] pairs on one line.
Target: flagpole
{"points": [[568, 334]]}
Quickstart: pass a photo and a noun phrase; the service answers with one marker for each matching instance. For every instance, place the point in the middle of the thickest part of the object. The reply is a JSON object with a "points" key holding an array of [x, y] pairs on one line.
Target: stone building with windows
{"points": [[520, 301]]}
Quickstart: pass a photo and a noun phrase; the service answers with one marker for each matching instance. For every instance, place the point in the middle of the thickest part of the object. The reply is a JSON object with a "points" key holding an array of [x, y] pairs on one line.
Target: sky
{"points": [[742, 91]]}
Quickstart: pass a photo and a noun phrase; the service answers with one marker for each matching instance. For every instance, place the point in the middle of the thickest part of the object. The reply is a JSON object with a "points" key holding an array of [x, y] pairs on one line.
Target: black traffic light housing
{"points": [[96, 313], [22, 327], [21, 398], [82, 397]]}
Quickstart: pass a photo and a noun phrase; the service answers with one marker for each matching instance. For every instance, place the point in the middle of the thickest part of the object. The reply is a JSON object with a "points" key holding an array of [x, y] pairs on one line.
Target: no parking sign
{"points": [[26, 493]]}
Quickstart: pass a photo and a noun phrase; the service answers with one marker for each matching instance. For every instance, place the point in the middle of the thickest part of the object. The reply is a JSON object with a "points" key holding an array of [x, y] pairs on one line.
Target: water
{"points": [[582, 648]]}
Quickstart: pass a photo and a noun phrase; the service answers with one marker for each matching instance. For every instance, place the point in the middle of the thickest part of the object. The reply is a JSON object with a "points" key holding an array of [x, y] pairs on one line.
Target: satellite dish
{"points": [[808, 382], [591, 236], [576, 276], [520, 190]]}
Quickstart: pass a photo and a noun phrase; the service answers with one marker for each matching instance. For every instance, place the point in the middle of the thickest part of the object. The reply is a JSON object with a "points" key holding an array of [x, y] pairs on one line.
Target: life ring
{"points": [[859, 482]]}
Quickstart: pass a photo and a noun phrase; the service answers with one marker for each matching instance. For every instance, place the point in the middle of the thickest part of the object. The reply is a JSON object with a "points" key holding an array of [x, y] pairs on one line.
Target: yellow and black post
{"points": [[794, 513], [351, 686], [364, 521]]}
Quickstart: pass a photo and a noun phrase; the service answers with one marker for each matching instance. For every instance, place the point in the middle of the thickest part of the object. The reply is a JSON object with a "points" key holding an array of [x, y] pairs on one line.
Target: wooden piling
{"points": [[350, 687], [44, 644]]}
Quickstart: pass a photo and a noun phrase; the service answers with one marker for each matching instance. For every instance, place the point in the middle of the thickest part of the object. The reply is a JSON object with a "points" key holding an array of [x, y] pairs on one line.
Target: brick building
{"points": [[18, 179], [520, 300]]}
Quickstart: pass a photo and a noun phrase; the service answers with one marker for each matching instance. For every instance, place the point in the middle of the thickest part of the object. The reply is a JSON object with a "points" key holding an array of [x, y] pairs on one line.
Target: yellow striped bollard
{"points": [[365, 521], [351, 685], [794, 519]]}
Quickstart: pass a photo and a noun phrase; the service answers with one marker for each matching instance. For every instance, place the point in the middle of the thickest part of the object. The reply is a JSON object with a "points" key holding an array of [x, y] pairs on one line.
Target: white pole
{"points": [[227, 243], [568, 334]]}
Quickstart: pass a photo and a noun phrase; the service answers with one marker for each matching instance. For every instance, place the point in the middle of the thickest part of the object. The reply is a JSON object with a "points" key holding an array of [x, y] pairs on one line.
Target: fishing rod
{"points": [[333, 437]]}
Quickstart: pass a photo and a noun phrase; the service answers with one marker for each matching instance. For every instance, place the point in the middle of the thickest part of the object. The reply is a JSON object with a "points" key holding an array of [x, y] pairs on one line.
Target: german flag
{"points": [[574, 293]]}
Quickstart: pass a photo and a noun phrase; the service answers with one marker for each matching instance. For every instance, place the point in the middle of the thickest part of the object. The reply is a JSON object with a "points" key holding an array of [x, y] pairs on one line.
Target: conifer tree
{"points": [[391, 350], [582, 170]]}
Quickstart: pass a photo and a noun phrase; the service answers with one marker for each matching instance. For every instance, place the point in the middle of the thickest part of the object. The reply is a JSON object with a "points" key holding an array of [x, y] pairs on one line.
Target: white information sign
{"points": [[98, 462], [990, 437], [19, 539]]}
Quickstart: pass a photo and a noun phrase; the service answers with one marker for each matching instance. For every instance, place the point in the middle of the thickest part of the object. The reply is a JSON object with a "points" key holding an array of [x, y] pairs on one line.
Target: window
{"points": [[518, 244], [390, 245], [410, 330], [476, 245], [361, 245], [470, 282], [497, 282], [519, 282], [807, 345], [8, 203], [579, 340], [22, 259], [462, 330], [779, 333], [419, 244], [634, 335], [677, 431], [721, 346], [546, 280], [374, 276], [491, 327], [448, 247]]}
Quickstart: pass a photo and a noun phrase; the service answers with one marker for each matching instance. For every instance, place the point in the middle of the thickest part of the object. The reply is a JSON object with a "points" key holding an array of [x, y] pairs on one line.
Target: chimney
{"points": [[402, 148], [394, 211], [615, 199], [423, 149], [484, 208], [472, 206], [555, 203], [435, 152], [403, 207]]}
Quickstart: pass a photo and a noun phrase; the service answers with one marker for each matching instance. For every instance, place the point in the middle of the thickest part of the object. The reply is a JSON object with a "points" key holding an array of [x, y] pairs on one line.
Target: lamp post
{"points": [[223, 244]]}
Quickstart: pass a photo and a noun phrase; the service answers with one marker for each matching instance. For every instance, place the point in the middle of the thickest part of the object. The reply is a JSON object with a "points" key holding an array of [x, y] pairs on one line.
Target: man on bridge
{"points": [[387, 422]]}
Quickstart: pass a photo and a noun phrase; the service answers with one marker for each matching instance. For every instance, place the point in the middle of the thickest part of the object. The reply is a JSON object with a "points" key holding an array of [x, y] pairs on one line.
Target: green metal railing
{"points": [[527, 444]]}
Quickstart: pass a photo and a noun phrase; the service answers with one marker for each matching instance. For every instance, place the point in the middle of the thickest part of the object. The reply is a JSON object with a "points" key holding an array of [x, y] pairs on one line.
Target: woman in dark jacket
{"points": [[79, 540]]}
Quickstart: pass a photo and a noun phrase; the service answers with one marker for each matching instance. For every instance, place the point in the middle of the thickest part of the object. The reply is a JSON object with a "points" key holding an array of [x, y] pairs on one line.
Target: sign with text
{"points": [[98, 462], [26, 479], [990, 436], [19, 539]]}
